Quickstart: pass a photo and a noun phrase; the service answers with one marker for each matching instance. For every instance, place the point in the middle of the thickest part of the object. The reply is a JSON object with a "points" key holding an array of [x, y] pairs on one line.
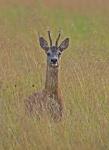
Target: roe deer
{"points": [[49, 100]]}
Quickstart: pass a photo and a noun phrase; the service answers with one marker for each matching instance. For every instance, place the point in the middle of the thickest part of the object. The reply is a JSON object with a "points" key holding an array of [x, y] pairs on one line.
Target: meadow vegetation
{"points": [[84, 78]]}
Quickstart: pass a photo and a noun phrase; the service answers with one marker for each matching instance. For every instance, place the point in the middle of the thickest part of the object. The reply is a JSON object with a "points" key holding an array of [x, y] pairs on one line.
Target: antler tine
{"points": [[58, 38], [50, 38]]}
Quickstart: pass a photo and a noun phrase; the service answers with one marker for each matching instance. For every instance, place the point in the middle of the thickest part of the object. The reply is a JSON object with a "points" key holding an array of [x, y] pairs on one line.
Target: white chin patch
{"points": [[54, 65]]}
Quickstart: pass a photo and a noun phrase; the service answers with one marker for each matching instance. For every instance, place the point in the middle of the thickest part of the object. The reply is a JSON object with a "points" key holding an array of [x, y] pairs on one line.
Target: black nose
{"points": [[54, 60]]}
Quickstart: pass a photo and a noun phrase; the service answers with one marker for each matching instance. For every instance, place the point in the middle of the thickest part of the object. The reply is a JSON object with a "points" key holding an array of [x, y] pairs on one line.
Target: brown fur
{"points": [[48, 100]]}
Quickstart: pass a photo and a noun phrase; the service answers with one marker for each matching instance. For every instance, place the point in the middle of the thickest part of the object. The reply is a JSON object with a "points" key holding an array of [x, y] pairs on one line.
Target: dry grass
{"points": [[79, 5], [84, 76]]}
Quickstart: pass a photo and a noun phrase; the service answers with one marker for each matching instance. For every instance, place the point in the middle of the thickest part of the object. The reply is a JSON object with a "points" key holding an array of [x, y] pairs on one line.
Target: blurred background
{"points": [[84, 73]]}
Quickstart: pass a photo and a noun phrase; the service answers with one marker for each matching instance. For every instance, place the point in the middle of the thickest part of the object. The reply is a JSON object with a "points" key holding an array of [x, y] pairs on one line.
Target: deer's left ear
{"points": [[43, 43], [64, 44]]}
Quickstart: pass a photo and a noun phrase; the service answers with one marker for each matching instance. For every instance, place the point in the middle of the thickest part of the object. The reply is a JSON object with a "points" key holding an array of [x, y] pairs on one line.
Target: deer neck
{"points": [[51, 84]]}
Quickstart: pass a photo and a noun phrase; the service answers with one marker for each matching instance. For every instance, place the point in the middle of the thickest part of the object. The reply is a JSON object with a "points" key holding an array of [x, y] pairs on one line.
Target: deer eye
{"points": [[59, 53], [48, 54]]}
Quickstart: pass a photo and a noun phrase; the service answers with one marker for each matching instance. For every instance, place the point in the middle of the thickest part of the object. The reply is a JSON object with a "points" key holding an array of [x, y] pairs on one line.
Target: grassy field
{"points": [[84, 77]]}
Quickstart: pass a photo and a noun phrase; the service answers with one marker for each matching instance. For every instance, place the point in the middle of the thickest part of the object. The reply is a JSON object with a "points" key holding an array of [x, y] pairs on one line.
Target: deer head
{"points": [[53, 51]]}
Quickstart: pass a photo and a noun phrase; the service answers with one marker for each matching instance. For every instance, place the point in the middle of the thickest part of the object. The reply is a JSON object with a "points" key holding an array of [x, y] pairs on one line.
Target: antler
{"points": [[50, 38], [58, 38]]}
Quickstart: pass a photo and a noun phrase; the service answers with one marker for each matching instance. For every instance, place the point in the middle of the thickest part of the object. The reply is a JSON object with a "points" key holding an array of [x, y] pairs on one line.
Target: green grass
{"points": [[84, 77]]}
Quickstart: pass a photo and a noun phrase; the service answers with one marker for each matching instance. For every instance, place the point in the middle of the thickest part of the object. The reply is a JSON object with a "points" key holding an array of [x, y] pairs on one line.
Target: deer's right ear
{"points": [[43, 43], [64, 44]]}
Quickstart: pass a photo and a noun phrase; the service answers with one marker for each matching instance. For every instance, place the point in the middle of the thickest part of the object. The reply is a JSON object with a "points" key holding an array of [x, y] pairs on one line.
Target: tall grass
{"points": [[84, 78]]}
